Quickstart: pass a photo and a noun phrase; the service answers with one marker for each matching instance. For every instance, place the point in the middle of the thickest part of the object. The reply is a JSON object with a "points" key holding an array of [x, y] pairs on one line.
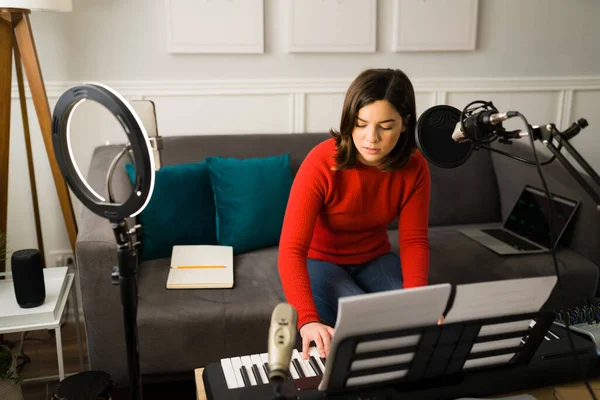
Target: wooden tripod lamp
{"points": [[16, 36]]}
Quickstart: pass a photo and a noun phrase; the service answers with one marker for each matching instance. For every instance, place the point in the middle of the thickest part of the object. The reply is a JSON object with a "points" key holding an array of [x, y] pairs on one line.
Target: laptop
{"points": [[526, 229]]}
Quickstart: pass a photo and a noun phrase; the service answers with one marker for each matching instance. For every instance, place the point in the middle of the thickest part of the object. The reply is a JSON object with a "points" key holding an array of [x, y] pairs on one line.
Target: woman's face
{"points": [[376, 131]]}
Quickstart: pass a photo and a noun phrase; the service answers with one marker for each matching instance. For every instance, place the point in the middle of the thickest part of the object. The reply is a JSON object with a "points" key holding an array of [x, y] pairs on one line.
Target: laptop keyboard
{"points": [[507, 238]]}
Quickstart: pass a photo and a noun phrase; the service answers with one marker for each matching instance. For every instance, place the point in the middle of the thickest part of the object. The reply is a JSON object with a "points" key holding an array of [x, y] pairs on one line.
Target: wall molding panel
{"points": [[332, 26], [338, 85], [426, 26], [300, 92], [215, 26]]}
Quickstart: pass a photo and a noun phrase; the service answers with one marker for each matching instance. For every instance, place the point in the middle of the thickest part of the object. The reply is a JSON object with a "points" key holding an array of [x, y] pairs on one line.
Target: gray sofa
{"points": [[180, 330]]}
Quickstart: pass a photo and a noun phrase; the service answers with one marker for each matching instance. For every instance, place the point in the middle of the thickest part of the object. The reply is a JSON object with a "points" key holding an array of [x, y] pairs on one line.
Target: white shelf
{"points": [[13, 318]]}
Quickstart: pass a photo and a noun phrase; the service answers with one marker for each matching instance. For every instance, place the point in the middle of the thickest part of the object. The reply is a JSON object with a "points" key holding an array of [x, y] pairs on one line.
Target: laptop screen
{"points": [[530, 217]]}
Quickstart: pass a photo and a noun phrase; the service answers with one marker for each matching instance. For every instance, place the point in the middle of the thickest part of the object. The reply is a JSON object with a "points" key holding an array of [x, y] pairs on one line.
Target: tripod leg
{"points": [[40, 100], [32, 183], [6, 41]]}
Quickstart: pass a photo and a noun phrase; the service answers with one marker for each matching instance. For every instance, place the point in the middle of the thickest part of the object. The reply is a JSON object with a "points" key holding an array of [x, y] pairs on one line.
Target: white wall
{"points": [[126, 40], [540, 57]]}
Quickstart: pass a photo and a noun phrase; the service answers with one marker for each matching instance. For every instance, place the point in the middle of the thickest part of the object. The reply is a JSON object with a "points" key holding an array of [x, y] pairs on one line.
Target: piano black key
{"points": [[314, 365], [257, 374], [266, 368], [245, 376], [323, 360], [298, 368]]}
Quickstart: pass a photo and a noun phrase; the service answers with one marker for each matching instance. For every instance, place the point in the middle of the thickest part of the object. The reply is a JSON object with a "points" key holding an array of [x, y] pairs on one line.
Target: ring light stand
{"points": [[116, 213]]}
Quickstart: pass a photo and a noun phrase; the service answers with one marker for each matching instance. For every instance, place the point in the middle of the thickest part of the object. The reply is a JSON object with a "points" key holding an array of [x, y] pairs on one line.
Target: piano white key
{"points": [[315, 353], [236, 363], [306, 368], [248, 364], [256, 360], [264, 357], [229, 374], [311, 371]]}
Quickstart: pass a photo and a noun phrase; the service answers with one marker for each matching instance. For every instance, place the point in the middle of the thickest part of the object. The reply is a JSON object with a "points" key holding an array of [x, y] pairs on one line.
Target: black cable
{"points": [[21, 364], [551, 159], [553, 250]]}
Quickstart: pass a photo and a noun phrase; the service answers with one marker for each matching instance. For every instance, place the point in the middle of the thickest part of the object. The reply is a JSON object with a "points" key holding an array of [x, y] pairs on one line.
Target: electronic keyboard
{"points": [[252, 370], [245, 377]]}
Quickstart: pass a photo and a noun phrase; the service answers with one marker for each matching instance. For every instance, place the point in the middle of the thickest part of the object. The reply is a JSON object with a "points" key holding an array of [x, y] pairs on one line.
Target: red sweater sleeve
{"points": [[304, 204], [413, 222]]}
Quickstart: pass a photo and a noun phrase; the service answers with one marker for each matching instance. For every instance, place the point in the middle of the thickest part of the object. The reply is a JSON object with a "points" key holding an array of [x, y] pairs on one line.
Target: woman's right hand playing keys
{"points": [[318, 333]]}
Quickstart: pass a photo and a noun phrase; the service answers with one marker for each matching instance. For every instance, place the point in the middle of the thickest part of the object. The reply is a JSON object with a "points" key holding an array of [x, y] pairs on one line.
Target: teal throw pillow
{"points": [[181, 210], [250, 198]]}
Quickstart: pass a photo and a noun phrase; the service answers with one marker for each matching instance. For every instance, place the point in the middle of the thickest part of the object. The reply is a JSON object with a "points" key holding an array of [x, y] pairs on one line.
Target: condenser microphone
{"points": [[480, 126], [282, 337]]}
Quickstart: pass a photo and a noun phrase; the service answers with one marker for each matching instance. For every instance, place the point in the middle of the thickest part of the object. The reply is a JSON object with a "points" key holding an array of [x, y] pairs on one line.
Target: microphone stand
{"points": [[547, 133]]}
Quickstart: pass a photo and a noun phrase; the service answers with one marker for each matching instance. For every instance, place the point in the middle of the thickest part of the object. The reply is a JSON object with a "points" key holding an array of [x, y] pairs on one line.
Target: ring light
{"points": [[140, 146]]}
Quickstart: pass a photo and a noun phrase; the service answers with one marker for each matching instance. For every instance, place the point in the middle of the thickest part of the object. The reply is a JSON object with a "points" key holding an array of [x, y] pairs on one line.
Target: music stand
{"points": [[434, 356]]}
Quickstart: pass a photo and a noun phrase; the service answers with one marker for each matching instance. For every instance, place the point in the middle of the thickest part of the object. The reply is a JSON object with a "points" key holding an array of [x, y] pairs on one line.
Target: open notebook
{"points": [[201, 267]]}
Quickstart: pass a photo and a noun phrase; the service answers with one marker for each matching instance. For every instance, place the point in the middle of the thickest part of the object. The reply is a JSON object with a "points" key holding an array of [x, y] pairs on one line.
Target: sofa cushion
{"points": [[250, 197], [201, 326], [181, 210]]}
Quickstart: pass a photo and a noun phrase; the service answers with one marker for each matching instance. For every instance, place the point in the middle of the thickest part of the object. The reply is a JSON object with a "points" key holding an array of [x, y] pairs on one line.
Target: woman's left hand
{"points": [[441, 320]]}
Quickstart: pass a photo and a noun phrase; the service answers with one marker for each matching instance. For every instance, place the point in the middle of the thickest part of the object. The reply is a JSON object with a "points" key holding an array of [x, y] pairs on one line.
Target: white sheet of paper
{"points": [[384, 311], [495, 299], [499, 298]]}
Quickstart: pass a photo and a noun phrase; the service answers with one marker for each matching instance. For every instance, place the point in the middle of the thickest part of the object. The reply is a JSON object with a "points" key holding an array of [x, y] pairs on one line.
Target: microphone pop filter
{"points": [[433, 135]]}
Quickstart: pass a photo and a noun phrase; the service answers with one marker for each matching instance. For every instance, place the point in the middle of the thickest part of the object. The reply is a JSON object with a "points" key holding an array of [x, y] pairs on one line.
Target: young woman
{"points": [[334, 240]]}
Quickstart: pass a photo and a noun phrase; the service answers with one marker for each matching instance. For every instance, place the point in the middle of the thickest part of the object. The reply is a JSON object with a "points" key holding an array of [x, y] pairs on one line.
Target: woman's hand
{"points": [[320, 334], [441, 320]]}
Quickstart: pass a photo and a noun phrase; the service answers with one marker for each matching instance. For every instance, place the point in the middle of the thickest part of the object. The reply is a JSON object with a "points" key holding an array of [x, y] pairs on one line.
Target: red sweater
{"points": [[342, 217]]}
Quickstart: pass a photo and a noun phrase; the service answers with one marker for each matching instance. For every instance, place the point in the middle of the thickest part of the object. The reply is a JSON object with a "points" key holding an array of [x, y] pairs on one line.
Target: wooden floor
{"points": [[40, 347]]}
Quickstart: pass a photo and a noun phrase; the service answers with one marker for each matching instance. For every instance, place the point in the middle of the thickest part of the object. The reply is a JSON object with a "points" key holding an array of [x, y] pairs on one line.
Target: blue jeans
{"points": [[330, 281]]}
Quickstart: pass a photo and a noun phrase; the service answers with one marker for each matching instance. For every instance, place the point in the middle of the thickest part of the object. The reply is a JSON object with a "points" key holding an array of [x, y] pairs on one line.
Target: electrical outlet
{"points": [[59, 258]]}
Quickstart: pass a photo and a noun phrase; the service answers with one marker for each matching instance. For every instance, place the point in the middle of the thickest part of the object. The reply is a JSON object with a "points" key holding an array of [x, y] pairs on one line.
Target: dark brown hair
{"points": [[371, 85]]}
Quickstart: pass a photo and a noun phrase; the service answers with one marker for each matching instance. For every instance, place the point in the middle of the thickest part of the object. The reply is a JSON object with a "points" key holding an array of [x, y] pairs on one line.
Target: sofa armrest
{"points": [[96, 254]]}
